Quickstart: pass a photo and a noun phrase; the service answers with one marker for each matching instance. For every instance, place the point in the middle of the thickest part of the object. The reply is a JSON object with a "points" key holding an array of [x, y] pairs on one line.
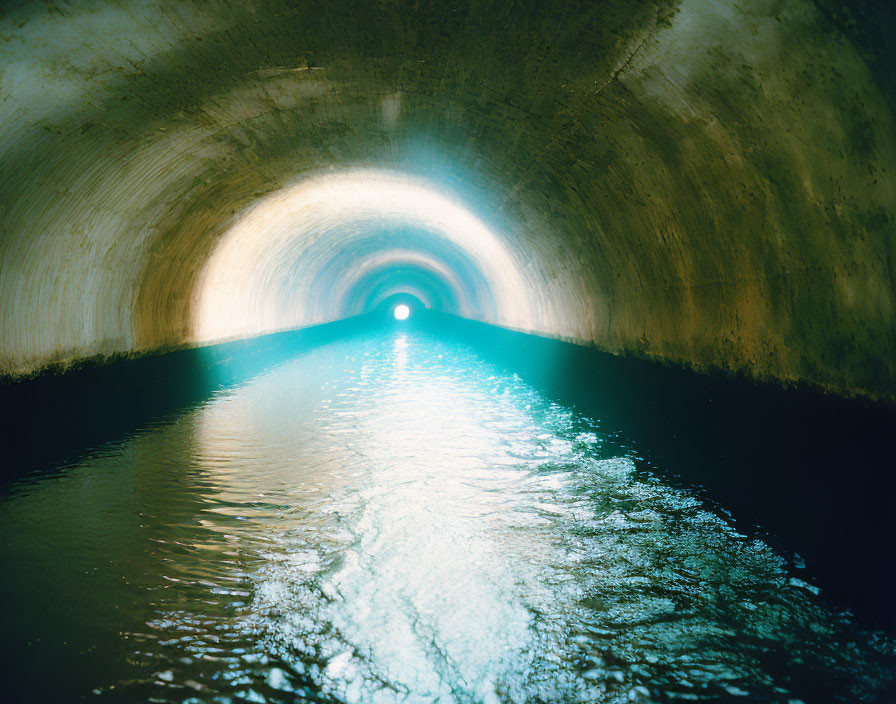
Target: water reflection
{"points": [[393, 520]]}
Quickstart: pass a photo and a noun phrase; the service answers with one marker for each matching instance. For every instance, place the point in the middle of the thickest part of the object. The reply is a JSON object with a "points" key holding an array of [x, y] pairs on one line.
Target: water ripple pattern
{"points": [[392, 520]]}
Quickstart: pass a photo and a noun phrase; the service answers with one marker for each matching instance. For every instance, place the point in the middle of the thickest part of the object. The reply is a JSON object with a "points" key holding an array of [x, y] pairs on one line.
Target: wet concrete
{"points": [[701, 183]]}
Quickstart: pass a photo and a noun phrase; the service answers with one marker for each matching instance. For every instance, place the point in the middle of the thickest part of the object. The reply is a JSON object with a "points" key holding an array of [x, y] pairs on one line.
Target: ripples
{"points": [[393, 520]]}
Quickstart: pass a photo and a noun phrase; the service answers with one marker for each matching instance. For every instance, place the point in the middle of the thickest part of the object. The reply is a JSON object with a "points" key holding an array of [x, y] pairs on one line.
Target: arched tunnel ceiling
{"points": [[703, 182]]}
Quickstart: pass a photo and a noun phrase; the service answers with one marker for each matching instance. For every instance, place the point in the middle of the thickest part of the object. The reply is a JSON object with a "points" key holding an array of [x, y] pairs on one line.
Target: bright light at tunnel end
{"points": [[320, 214], [401, 312]]}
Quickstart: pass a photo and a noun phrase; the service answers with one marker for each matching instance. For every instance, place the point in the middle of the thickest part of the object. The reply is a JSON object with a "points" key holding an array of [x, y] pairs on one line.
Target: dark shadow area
{"points": [[809, 473], [53, 418]]}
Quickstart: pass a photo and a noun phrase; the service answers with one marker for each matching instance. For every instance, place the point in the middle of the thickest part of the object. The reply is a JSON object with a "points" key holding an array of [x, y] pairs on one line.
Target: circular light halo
{"points": [[401, 311]]}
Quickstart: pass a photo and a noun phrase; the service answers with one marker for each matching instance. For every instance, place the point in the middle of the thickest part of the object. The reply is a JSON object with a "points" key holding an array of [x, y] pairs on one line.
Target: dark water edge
{"points": [[810, 473], [52, 419], [391, 518]]}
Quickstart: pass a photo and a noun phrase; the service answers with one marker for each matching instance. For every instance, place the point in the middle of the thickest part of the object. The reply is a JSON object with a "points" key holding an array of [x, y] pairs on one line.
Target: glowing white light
{"points": [[263, 274], [401, 312]]}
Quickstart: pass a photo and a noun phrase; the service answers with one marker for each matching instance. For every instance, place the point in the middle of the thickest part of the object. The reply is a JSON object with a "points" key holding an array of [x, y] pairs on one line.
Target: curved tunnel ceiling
{"points": [[706, 183]]}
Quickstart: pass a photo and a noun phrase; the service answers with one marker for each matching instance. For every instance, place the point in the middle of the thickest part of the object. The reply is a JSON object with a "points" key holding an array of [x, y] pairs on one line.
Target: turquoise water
{"points": [[390, 519]]}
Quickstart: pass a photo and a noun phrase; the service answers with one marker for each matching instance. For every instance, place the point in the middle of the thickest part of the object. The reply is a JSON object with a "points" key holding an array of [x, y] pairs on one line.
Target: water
{"points": [[390, 519]]}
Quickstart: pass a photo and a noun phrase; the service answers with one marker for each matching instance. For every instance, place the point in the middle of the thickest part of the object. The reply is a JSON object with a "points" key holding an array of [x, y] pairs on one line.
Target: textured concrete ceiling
{"points": [[705, 182]]}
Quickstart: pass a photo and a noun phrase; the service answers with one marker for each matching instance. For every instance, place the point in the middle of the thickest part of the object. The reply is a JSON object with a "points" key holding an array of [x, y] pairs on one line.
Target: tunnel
{"points": [[448, 351]]}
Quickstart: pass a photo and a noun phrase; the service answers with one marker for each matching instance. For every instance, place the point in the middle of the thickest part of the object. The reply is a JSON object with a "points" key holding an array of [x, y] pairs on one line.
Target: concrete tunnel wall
{"points": [[700, 182]]}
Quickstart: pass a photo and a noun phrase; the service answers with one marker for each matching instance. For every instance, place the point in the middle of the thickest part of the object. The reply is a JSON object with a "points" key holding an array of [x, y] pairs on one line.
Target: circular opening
{"points": [[401, 311]]}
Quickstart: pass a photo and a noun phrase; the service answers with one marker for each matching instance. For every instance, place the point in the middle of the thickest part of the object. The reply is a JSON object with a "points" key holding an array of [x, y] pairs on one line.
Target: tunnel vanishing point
{"points": [[704, 183]]}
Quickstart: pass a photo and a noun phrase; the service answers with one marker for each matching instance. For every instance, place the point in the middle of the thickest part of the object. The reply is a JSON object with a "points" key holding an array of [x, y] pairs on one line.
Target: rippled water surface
{"points": [[389, 519]]}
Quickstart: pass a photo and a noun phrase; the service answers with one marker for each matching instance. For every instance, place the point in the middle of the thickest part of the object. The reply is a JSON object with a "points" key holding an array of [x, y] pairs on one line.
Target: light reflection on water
{"points": [[392, 520]]}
